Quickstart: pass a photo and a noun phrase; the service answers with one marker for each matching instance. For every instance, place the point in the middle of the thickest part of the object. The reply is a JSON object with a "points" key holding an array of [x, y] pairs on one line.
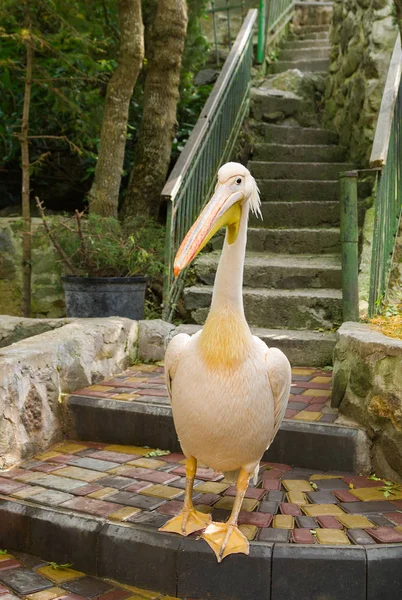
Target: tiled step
{"points": [[282, 134], [279, 271], [305, 53], [297, 170], [298, 214], [315, 65], [275, 308], [298, 152]]}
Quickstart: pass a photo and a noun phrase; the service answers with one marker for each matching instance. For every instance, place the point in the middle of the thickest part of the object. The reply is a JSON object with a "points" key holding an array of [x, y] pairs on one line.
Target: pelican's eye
{"points": [[238, 181]]}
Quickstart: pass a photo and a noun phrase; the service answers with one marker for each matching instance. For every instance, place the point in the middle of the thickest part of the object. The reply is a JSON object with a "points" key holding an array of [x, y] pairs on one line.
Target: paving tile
{"points": [[322, 379], [324, 477], [305, 522], [12, 473], [207, 499], [355, 521], [24, 581], [331, 485], [305, 415], [60, 459], [92, 506], [267, 534], [27, 492], [45, 467], [8, 486], [296, 405], [118, 482], [62, 484], [327, 418], [154, 519], [138, 450], [323, 497], [146, 503], [317, 392], [258, 519], [162, 491], [149, 475], [68, 447], [278, 466], [124, 513], [361, 481], [249, 531], [89, 587], [7, 565], [51, 497], [366, 508], [138, 486], [345, 496], [94, 464], [115, 457], [289, 414], [3, 590], [172, 508], [298, 498], [214, 487], [147, 463], [226, 503], [385, 535], [322, 510], [271, 484], [275, 496], [287, 508], [114, 595], [297, 485], [397, 504], [395, 517], [360, 537], [332, 537], [30, 561], [6, 556], [380, 521], [372, 494], [102, 493], [84, 490], [268, 507], [201, 473], [283, 522], [302, 536], [80, 474], [9, 596], [253, 493], [296, 390], [59, 576], [329, 522]]}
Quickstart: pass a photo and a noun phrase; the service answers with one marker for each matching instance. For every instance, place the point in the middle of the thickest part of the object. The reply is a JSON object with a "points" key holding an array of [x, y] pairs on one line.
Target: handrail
{"points": [[272, 13], [208, 146], [382, 135]]}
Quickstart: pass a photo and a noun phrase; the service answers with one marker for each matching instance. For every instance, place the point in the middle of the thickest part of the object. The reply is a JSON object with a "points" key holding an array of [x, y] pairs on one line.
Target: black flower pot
{"points": [[105, 296]]}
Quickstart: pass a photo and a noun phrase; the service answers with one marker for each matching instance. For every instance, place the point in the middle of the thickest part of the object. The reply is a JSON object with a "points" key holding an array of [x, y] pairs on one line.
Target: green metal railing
{"points": [[209, 146], [274, 15], [386, 165], [227, 7]]}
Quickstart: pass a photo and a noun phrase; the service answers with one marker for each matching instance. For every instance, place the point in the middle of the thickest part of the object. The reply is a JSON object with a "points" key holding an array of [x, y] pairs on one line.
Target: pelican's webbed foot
{"points": [[188, 521], [225, 539]]}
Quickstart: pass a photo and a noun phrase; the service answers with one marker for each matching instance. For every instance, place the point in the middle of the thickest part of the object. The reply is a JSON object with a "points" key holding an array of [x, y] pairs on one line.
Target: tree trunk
{"points": [[161, 93], [104, 194], [25, 191]]}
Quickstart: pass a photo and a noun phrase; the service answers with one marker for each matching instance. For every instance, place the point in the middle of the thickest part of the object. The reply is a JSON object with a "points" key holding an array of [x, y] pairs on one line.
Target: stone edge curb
{"points": [[186, 567], [308, 445]]}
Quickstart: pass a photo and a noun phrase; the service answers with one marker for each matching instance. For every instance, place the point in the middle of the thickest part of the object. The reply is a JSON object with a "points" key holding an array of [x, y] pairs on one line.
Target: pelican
{"points": [[227, 389]]}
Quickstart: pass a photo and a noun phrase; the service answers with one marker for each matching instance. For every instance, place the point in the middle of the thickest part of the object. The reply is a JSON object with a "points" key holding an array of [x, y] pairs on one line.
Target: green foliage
{"points": [[101, 247], [57, 567]]}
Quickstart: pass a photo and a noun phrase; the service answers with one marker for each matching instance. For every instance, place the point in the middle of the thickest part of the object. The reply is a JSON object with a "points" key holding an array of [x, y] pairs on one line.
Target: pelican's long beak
{"points": [[223, 209]]}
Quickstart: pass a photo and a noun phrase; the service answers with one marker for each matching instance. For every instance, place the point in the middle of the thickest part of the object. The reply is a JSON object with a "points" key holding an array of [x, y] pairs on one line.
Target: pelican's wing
{"points": [[280, 378], [172, 358]]}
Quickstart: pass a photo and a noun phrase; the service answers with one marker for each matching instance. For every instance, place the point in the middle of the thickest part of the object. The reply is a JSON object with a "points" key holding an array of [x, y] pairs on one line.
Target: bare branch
{"points": [[84, 246]]}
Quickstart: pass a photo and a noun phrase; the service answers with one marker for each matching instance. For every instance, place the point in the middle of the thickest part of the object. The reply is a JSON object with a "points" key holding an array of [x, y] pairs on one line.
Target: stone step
{"points": [[297, 170], [280, 271], [282, 134], [320, 65], [300, 44], [316, 35], [305, 53], [264, 103], [289, 241], [311, 29], [298, 214], [296, 190], [293, 309], [298, 152]]}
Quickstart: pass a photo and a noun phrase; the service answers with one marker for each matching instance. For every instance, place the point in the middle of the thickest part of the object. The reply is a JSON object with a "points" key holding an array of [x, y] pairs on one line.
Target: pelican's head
{"points": [[235, 187]]}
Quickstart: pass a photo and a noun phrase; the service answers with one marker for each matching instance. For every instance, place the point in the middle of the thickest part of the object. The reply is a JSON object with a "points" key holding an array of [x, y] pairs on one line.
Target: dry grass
{"points": [[389, 325]]}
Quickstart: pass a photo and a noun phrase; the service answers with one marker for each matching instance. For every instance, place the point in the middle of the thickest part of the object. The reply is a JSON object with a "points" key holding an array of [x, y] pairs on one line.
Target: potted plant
{"points": [[106, 263]]}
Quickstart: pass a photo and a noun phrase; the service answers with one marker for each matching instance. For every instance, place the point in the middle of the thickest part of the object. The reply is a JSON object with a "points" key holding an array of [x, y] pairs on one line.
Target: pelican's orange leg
{"points": [[189, 520]]}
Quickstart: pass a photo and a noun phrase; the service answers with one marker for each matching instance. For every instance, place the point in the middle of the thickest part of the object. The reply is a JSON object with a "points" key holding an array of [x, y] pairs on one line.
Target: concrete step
{"points": [[289, 241], [296, 190], [293, 309], [297, 170], [299, 152], [315, 65], [305, 53], [279, 271], [298, 214], [296, 43], [305, 35], [311, 29], [281, 134]]}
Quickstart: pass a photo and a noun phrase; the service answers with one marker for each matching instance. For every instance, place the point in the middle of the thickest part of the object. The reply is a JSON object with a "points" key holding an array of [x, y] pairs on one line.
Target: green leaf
{"points": [[3, 552], [59, 567], [157, 452]]}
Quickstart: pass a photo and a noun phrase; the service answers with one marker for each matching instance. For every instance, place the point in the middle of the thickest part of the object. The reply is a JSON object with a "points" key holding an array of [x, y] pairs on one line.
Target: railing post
{"points": [[349, 243], [261, 31]]}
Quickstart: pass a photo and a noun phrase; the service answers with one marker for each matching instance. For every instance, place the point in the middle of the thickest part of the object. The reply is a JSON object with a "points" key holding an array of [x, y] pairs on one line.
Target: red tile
{"points": [[118, 457], [397, 504], [279, 466], [46, 467], [138, 486], [272, 474], [13, 473], [345, 496], [303, 398], [202, 473], [150, 475], [313, 385], [360, 481], [98, 445], [61, 458], [3, 590], [171, 508], [385, 535], [329, 522], [255, 518], [313, 408], [92, 506], [207, 499], [287, 508], [317, 400], [302, 536], [395, 517], [71, 597], [289, 413], [173, 457], [254, 493], [271, 484], [93, 393], [12, 563], [152, 392], [8, 486], [86, 489], [114, 595]]}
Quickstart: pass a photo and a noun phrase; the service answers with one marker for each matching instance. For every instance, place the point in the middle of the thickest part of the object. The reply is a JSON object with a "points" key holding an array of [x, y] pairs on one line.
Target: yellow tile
{"points": [[59, 575], [125, 396], [69, 447], [49, 594], [318, 393], [250, 531], [296, 498], [321, 379], [107, 491], [227, 503], [332, 537], [81, 474], [128, 449], [283, 522], [146, 368], [212, 487], [100, 388], [124, 513], [6, 556], [169, 598], [29, 477], [135, 380], [297, 371], [147, 463], [297, 485], [320, 510], [320, 477], [372, 493], [161, 491], [138, 593], [204, 508], [355, 521], [120, 470], [29, 492], [398, 527], [306, 415], [47, 455]]}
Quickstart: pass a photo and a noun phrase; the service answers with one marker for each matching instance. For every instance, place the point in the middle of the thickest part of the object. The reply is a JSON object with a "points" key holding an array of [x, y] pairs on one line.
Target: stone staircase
{"points": [[292, 279]]}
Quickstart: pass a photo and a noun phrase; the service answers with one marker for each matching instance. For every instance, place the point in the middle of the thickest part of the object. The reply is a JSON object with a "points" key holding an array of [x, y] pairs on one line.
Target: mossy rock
{"points": [[360, 380]]}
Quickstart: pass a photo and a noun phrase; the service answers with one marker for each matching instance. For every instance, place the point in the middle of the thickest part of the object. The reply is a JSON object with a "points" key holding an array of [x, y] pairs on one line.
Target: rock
{"points": [[152, 339], [206, 76]]}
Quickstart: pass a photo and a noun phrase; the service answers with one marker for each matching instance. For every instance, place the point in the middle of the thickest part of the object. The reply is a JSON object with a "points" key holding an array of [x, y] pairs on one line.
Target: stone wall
{"points": [[47, 291], [37, 371], [362, 38], [367, 387]]}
